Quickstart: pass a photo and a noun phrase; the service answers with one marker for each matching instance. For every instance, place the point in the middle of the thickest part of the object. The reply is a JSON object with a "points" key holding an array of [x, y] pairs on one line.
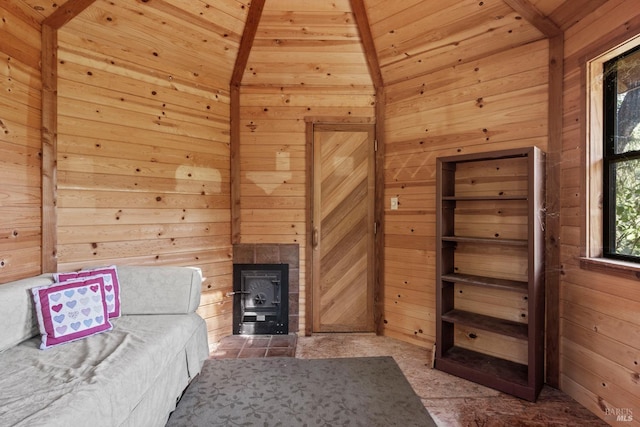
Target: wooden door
{"points": [[343, 228]]}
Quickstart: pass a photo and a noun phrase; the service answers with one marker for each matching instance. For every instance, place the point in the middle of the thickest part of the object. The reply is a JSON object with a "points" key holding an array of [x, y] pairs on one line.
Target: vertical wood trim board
{"points": [[49, 148], [50, 28], [308, 279], [235, 163], [379, 210], [246, 42], [552, 221]]}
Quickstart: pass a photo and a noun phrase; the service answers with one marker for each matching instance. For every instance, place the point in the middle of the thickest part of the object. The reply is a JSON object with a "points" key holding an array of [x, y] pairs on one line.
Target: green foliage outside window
{"points": [[627, 234]]}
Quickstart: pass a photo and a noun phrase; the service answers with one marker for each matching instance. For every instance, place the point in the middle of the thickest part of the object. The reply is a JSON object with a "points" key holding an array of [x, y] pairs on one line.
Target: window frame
{"points": [[610, 157], [592, 205]]}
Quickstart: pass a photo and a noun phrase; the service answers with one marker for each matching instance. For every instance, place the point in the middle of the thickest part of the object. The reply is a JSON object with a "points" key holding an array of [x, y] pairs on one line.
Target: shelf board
{"points": [[509, 242], [492, 282], [487, 323], [504, 375], [495, 366], [483, 198]]}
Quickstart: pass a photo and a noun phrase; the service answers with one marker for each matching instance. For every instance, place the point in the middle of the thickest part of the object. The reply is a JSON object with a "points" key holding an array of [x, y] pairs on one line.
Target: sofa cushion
{"points": [[159, 289], [71, 310], [100, 379], [19, 321], [111, 285]]}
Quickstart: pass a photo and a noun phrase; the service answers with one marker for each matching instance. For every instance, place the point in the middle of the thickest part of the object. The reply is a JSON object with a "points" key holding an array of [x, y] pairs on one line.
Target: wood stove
{"points": [[260, 299]]}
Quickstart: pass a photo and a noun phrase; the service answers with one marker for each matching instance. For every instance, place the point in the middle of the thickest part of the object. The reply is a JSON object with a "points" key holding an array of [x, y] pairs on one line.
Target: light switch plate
{"points": [[394, 203]]}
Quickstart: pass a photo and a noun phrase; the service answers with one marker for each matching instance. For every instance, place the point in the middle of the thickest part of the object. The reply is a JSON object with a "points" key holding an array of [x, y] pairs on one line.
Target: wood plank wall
{"points": [[20, 142], [273, 183], [144, 176], [496, 102], [305, 63], [600, 340], [143, 147]]}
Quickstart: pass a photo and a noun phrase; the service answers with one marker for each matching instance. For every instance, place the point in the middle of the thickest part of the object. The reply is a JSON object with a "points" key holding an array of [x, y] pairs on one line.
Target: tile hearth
{"points": [[248, 346]]}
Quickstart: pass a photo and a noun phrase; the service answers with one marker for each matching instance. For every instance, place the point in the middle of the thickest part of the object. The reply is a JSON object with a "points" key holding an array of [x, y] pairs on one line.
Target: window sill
{"points": [[627, 270]]}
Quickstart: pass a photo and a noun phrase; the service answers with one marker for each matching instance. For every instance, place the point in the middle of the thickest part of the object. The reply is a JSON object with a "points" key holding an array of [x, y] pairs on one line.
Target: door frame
{"points": [[311, 123]]}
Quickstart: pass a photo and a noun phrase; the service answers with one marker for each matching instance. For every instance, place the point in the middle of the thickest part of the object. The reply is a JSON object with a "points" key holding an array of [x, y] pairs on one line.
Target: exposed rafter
{"points": [[362, 21], [529, 12], [246, 42], [66, 13]]}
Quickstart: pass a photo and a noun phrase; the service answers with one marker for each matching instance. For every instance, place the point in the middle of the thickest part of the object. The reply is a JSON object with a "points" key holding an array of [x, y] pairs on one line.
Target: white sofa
{"points": [[132, 375]]}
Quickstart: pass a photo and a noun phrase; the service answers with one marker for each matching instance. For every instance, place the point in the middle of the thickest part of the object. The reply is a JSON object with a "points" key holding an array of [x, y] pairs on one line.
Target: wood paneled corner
{"points": [[164, 132]]}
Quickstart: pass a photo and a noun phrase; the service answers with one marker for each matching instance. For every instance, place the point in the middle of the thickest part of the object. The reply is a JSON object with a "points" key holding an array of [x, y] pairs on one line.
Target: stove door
{"points": [[259, 292]]}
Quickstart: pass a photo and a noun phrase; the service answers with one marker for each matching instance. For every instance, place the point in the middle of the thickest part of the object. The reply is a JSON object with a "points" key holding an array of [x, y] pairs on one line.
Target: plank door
{"points": [[343, 228]]}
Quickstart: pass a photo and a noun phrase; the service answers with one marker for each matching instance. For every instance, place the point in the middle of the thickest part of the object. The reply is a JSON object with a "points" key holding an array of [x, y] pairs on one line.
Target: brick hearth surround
{"points": [[276, 253]]}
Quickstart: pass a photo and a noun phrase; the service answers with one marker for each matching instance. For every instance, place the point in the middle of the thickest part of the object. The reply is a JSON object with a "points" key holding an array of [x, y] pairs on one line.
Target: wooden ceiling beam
{"points": [[362, 22], [246, 42], [65, 13], [529, 12]]}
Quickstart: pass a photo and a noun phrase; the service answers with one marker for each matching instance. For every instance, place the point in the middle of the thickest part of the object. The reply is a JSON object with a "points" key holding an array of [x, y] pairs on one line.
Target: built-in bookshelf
{"points": [[490, 269]]}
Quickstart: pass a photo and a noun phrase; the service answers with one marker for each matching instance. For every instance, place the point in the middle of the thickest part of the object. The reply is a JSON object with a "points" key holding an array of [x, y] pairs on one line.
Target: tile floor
{"points": [[243, 346], [451, 401]]}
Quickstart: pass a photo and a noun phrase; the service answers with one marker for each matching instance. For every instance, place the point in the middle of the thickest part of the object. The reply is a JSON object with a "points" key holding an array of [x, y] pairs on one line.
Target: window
{"points": [[621, 156], [611, 186]]}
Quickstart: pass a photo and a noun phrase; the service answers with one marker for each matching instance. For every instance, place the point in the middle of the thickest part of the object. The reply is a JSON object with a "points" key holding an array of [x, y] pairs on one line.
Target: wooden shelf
{"points": [[490, 181], [503, 375], [484, 240], [487, 323], [501, 368], [511, 285]]}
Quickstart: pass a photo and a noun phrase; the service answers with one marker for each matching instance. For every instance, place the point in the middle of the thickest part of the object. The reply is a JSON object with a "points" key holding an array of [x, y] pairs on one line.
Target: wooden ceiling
{"points": [[351, 43]]}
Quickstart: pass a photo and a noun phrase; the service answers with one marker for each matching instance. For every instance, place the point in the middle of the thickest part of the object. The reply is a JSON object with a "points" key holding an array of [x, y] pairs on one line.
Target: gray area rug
{"points": [[363, 391]]}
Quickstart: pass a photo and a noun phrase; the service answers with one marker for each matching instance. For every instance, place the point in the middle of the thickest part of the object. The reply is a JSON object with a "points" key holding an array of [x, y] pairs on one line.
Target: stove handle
{"points": [[230, 294]]}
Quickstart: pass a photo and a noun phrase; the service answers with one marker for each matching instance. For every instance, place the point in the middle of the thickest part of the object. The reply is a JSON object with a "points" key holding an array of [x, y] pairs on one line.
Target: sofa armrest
{"points": [[159, 289], [19, 320]]}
